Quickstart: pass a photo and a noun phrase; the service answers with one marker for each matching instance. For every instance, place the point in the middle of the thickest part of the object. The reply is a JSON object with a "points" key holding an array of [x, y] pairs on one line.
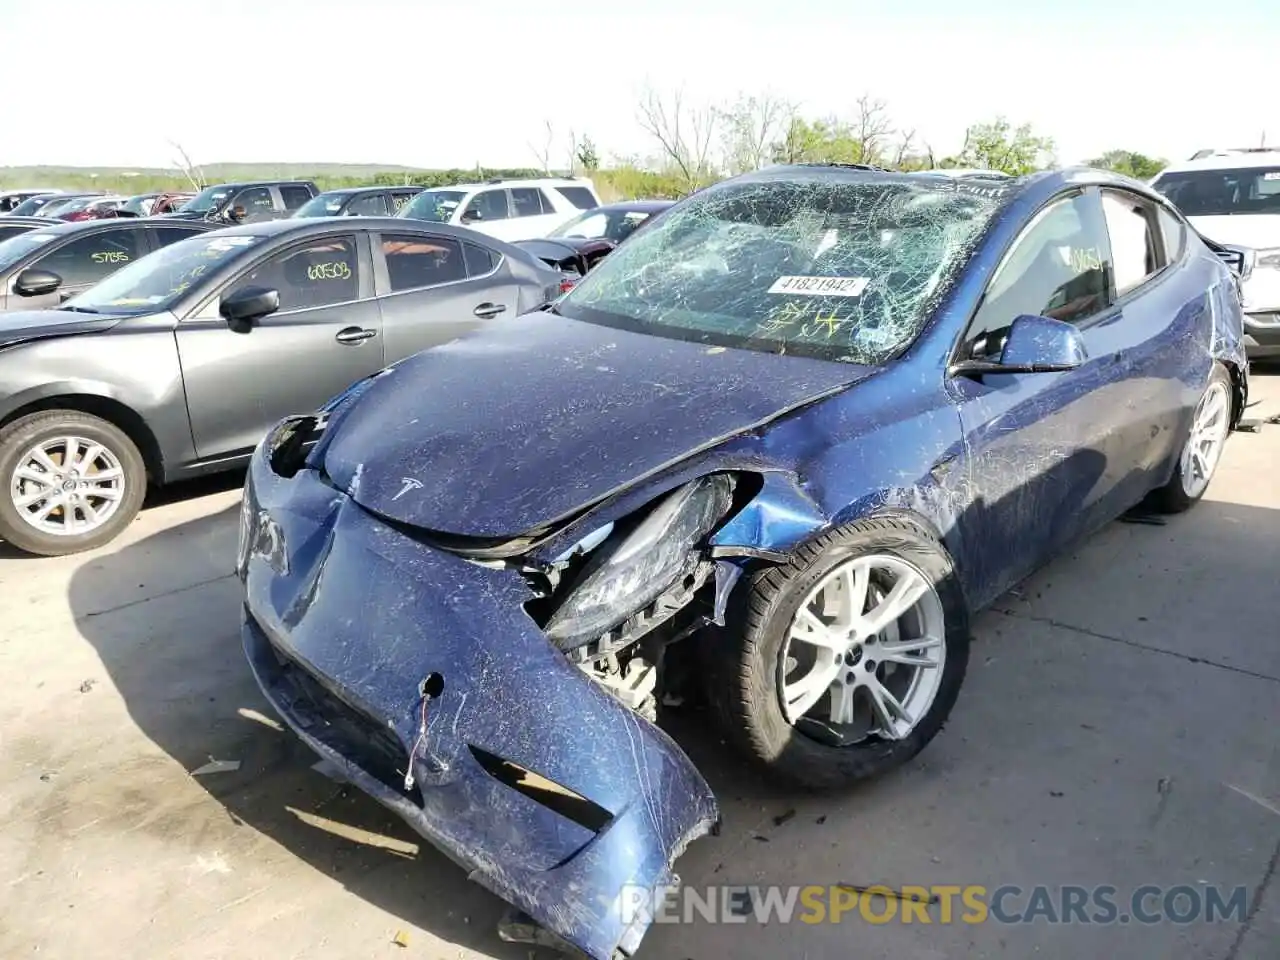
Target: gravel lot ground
{"points": [[1120, 725]]}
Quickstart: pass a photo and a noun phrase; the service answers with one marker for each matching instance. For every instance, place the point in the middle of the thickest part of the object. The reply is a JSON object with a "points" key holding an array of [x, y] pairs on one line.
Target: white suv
{"points": [[1233, 198], [506, 209]]}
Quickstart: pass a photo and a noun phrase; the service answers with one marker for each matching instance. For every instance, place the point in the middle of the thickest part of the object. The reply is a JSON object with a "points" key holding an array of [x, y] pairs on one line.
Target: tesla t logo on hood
{"points": [[409, 484]]}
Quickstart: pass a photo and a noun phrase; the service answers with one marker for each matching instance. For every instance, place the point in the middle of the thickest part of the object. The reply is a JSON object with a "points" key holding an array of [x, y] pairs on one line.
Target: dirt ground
{"points": [[1120, 725]]}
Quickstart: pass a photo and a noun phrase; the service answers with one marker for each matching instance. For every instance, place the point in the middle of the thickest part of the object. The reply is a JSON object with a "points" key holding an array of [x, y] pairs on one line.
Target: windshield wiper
{"points": [[70, 309]]}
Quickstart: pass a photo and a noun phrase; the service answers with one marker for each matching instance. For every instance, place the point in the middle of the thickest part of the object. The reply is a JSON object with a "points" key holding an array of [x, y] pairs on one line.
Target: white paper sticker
{"points": [[820, 286], [1271, 175]]}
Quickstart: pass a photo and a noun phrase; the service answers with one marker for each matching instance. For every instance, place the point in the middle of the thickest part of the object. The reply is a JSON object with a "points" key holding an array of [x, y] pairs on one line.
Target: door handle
{"points": [[355, 335], [487, 310]]}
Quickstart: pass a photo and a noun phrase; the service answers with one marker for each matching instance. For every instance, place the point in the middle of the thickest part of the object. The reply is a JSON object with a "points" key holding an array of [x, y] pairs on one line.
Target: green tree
{"points": [[998, 145], [588, 158], [1131, 164]]}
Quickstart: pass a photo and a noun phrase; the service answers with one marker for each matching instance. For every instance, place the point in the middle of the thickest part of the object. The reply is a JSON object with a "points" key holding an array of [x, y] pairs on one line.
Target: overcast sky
{"points": [[436, 84]]}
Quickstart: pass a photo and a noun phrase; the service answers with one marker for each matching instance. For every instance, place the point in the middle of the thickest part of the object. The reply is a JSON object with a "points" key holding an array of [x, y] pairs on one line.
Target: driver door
{"points": [[326, 335], [1043, 453]]}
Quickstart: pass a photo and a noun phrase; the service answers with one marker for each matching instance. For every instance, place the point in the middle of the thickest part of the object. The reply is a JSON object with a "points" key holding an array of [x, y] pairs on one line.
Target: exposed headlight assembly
{"points": [[643, 565]]}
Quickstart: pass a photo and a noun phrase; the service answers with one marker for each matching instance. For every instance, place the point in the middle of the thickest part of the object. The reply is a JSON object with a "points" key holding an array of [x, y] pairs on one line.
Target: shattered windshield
{"points": [[843, 269]]}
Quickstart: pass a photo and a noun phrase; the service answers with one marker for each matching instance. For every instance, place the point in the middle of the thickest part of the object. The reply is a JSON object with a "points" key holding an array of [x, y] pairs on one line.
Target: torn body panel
{"points": [[354, 631]]}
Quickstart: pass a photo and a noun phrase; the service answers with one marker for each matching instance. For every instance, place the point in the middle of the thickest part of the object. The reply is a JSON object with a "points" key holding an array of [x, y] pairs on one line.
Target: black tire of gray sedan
{"points": [[1202, 450], [69, 482], [845, 662]]}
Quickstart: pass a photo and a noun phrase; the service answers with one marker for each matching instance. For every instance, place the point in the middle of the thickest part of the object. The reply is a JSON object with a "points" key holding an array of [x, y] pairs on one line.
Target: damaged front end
{"points": [[503, 707]]}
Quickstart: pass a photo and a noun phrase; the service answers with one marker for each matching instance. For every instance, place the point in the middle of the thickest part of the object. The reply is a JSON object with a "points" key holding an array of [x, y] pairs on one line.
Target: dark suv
{"points": [[359, 202], [248, 202]]}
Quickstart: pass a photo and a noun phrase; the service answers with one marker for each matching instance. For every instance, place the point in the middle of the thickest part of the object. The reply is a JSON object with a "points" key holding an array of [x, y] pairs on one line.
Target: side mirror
{"points": [[1034, 345], [36, 283], [243, 307]]}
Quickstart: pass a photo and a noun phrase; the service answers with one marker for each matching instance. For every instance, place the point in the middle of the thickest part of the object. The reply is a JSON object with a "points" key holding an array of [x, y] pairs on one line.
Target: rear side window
{"points": [[1131, 224], [372, 205], [417, 262], [294, 195], [401, 200], [580, 197], [86, 260], [480, 260], [167, 235], [1175, 235], [526, 202]]}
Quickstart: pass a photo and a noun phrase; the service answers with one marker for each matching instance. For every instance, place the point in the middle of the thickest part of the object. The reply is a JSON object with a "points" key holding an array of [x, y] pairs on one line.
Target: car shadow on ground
{"points": [[177, 663]]}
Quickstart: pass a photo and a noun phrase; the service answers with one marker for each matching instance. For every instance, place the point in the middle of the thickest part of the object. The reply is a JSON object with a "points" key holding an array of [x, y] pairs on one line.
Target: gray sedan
{"points": [[177, 364]]}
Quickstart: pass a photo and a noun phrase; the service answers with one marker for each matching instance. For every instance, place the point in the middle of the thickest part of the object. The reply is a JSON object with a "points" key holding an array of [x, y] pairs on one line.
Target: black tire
{"points": [[1173, 497], [743, 668], [25, 433]]}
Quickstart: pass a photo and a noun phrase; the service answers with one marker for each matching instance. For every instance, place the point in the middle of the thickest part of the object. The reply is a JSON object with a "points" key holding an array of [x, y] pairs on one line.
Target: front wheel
{"points": [[847, 661], [71, 482], [1198, 460]]}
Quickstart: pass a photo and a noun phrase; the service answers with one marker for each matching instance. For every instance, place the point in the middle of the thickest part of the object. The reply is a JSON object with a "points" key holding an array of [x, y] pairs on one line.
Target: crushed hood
{"points": [[38, 324], [527, 422]]}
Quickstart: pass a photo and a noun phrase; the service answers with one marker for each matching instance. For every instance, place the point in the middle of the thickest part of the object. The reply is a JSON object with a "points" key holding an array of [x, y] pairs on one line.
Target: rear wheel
{"points": [[71, 482], [1198, 461], [846, 662]]}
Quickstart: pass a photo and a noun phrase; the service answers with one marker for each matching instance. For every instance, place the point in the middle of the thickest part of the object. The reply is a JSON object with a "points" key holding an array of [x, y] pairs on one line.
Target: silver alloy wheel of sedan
{"points": [[866, 649], [67, 486], [1209, 428]]}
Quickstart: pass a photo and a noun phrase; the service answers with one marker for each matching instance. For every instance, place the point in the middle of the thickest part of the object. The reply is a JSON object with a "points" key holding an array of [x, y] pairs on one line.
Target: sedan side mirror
{"points": [[1034, 345], [36, 283], [243, 307]]}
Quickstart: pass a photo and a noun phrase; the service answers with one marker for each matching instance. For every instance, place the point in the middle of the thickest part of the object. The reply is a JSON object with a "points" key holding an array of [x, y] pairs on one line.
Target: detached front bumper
{"points": [[388, 657]]}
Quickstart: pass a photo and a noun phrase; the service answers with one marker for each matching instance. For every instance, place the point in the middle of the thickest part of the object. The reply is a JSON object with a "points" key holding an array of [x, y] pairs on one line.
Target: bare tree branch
{"points": [[871, 129], [749, 129], [194, 174], [683, 133], [543, 153]]}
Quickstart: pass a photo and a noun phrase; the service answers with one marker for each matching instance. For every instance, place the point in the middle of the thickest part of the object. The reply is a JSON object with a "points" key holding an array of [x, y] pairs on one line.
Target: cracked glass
{"points": [[836, 267]]}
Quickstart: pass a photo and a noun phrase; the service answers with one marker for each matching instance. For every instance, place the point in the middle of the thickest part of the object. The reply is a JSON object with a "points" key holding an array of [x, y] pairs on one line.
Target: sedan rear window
{"points": [[844, 270]]}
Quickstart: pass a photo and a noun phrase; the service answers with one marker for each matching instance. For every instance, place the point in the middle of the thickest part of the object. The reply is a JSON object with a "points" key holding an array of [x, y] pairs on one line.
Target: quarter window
{"points": [[1057, 268], [1175, 235], [489, 204], [318, 274], [167, 235], [480, 260], [417, 262], [580, 197], [1131, 226], [87, 260]]}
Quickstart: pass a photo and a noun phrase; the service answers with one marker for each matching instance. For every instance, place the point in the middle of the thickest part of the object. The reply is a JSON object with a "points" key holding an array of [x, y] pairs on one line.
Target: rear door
{"points": [[325, 336], [434, 288], [85, 259]]}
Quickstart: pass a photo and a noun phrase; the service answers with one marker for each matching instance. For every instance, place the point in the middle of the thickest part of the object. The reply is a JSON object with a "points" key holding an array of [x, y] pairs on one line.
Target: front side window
{"points": [[1057, 268], [157, 281], [1216, 193], [438, 206], [843, 269], [208, 200], [1131, 227], [487, 205], [89, 259], [320, 273], [257, 203], [417, 262]]}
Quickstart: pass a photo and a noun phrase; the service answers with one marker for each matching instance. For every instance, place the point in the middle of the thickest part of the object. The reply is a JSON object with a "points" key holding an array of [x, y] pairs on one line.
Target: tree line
{"points": [[693, 144]]}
